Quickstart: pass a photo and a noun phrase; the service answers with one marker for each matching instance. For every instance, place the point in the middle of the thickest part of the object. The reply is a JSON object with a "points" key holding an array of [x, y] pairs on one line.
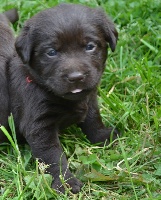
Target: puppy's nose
{"points": [[76, 77]]}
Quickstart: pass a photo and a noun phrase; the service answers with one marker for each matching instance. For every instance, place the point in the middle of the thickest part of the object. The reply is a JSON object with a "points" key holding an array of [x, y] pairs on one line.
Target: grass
{"points": [[129, 98]]}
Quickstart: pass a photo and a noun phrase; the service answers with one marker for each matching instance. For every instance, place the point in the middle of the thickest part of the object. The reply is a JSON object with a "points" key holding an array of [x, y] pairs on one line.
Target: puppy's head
{"points": [[65, 48]]}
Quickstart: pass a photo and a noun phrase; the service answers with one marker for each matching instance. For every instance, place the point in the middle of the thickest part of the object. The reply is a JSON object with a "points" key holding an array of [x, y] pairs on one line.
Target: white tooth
{"points": [[76, 91]]}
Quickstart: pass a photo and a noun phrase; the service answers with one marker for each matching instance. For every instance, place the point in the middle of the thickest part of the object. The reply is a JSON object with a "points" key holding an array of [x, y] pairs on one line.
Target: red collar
{"points": [[28, 80]]}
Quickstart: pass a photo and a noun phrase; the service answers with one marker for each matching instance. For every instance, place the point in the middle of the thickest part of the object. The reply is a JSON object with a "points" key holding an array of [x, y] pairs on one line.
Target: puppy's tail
{"points": [[12, 15]]}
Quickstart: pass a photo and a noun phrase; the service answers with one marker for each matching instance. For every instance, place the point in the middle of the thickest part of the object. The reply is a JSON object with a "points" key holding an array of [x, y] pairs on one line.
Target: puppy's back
{"points": [[7, 50], [11, 15]]}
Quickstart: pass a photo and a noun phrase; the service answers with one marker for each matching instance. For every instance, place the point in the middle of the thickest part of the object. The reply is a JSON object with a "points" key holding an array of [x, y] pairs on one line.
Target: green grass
{"points": [[129, 98]]}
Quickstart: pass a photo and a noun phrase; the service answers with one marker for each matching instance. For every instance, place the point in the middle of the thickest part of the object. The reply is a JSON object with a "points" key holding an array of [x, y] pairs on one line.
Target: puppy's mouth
{"points": [[76, 94], [76, 91]]}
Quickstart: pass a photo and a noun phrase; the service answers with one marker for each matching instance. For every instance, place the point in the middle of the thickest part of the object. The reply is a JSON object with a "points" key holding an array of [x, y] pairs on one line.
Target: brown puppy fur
{"points": [[63, 50]]}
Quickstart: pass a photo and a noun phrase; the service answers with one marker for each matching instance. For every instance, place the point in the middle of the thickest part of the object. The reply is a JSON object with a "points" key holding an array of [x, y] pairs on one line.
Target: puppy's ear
{"points": [[109, 30], [111, 34], [24, 44]]}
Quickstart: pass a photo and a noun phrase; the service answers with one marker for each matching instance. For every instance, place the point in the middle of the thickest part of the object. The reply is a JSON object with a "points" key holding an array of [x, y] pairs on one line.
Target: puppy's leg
{"points": [[46, 147], [94, 128]]}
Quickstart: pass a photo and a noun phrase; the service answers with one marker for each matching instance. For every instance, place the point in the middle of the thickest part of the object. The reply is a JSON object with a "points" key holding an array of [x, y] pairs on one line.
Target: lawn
{"points": [[129, 98]]}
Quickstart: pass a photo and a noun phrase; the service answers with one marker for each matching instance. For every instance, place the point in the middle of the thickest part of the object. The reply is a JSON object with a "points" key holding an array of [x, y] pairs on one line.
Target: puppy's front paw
{"points": [[112, 133], [106, 135], [71, 182]]}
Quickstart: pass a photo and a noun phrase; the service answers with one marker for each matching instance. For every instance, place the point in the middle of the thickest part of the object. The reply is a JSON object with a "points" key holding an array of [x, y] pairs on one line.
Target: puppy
{"points": [[53, 83], [6, 52]]}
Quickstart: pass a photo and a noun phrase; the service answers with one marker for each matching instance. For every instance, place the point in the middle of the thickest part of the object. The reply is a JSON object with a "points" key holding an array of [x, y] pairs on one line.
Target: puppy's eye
{"points": [[90, 47], [52, 52]]}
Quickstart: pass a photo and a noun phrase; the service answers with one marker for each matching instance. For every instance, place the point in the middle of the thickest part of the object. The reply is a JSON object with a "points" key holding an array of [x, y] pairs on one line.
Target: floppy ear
{"points": [[24, 44], [109, 30], [111, 34]]}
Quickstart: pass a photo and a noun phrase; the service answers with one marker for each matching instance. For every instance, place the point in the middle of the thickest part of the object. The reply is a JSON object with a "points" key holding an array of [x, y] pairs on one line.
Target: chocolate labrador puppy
{"points": [[53, 82]]}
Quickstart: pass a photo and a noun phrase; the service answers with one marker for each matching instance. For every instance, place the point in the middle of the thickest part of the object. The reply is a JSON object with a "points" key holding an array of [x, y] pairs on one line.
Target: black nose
{"points": [[76, 77]]}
